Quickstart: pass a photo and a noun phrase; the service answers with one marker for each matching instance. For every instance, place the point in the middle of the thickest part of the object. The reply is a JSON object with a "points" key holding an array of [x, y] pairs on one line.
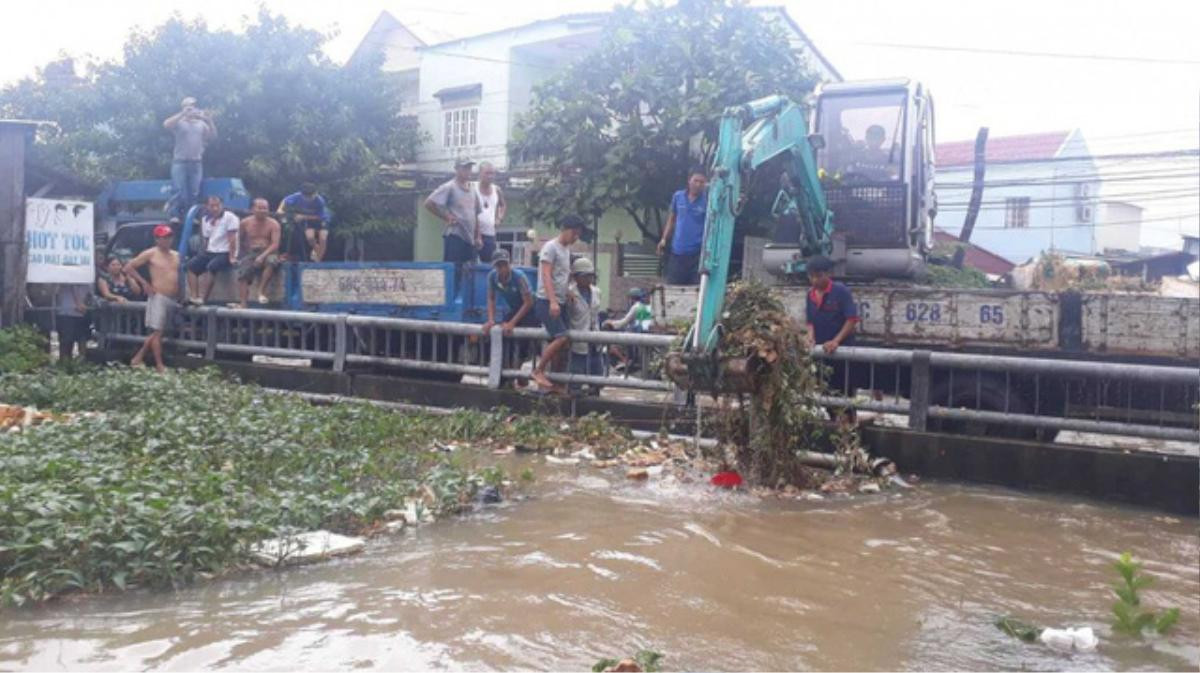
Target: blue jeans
{"points": [[587, 364], [185, 178]]}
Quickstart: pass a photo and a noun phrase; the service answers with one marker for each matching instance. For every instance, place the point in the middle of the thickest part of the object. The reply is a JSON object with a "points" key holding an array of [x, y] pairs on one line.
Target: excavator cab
{"points": [[873, 142], [876, 167]]}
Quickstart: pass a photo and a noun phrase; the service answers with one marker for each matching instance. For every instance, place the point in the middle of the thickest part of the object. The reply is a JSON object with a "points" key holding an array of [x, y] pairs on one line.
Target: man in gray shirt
{"points": [[193, 129], [457, 204], [554, 273]]}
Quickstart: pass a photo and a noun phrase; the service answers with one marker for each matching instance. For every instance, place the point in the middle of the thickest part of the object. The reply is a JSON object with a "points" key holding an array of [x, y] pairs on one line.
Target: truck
{"points": [[859, 189]]}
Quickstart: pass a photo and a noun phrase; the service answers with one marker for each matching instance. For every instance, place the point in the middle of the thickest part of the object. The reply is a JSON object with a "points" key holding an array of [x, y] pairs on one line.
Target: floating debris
{"points": [[310, 547]]}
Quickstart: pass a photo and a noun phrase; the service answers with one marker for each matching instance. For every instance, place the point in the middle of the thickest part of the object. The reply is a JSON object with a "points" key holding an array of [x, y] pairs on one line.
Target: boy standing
{"points": [[554, 271], [583, 312], [162, 292]]}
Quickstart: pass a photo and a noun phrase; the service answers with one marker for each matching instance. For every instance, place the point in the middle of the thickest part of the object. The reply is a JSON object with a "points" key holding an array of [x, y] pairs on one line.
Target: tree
{"points": [[285, 113], [621, 127]]}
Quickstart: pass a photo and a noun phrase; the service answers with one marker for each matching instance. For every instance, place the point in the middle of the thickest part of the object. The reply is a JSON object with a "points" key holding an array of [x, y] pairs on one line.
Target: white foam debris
{"points": [[317, 545]]}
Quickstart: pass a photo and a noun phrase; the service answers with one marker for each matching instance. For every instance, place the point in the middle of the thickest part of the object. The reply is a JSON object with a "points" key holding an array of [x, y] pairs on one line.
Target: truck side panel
{"points": [[957, 318], [921, 316], [1128, 324]]}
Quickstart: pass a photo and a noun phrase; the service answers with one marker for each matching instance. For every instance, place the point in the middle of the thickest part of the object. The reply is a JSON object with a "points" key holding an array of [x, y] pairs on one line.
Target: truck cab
{"points": [[875, 158]]}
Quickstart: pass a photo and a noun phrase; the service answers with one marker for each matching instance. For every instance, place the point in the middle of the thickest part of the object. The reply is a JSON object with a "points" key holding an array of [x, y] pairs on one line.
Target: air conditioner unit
{"points": [[1084, 213], [1083, 190]]}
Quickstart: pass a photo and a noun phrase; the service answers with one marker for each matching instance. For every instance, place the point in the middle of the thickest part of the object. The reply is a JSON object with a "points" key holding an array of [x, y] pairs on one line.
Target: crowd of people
{"points": [[564, 299]]}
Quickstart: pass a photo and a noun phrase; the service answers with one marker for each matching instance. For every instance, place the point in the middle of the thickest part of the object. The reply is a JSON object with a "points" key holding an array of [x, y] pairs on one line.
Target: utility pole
{"points": [[14, 135]]}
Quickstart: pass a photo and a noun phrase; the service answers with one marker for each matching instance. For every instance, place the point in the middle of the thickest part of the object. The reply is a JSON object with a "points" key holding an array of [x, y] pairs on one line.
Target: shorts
{"points": [[316, 225], [159, 308], [555, 327], [455, 249], [683, 269], [247, 270], [209, 262]]}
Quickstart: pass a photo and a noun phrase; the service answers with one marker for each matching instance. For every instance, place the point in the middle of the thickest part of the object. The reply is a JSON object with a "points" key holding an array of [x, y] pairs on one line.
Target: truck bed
{"points": [[1105, 325]]}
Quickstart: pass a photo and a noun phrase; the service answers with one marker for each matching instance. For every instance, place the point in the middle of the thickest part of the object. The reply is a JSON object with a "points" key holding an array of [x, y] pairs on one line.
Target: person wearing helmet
{"points": [[583, 315], [639, 319]]}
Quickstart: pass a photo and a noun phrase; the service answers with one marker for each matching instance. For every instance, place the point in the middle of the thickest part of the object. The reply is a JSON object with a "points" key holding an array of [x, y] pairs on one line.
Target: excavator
{"points": [[858, 189]]}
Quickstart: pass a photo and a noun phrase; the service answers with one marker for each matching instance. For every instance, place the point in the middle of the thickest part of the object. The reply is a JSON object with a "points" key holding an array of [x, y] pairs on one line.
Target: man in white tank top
{"points": [[491, 208]]}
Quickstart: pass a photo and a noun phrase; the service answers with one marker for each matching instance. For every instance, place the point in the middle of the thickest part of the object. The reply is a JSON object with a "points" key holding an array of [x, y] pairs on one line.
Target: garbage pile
{"points": [[15, 418], [780, 418]]}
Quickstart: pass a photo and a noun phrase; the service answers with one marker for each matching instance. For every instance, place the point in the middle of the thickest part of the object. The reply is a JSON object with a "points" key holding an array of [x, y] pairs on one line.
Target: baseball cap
{"points": [[637, 293], [463, 161], [583, 265], [163, 231], [819, 263], [500, 255]]}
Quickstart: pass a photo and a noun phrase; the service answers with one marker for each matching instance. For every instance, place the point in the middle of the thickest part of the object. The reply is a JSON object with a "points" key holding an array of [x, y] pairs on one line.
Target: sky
{"points": [[1127, 74]]}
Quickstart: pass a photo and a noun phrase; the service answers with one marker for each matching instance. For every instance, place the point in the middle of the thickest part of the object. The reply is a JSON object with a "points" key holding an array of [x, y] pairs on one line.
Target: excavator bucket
{"points": [[714, 373]]}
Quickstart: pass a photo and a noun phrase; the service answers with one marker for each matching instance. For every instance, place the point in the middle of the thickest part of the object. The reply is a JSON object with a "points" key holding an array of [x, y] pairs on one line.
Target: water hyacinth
{"points": [[159, 480]]}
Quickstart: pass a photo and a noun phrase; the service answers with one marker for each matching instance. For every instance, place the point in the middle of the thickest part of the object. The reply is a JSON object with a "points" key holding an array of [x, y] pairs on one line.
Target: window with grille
{"points": [[460, 127], [1016, 213]]}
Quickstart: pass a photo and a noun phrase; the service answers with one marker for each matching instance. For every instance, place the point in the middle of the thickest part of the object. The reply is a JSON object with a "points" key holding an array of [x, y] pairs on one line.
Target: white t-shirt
{"points": [[487, 209], [560, 269], [217, 231]]}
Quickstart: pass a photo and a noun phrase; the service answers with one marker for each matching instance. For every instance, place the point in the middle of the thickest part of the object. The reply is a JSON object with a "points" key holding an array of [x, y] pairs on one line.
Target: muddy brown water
{"points": [[592, 566]]}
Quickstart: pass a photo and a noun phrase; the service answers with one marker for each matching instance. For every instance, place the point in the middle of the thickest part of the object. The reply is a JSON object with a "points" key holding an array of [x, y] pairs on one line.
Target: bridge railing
{"points": [[935, 390]]}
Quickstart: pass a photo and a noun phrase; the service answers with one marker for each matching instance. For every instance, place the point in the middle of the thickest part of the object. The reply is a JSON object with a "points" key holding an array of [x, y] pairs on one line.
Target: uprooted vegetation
{"points": [[158, 480], [768, 427]]}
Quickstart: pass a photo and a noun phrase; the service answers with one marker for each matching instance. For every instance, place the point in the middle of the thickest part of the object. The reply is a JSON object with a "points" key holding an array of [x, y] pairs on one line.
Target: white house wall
{"points": [[1053, 216], [495, 63]]}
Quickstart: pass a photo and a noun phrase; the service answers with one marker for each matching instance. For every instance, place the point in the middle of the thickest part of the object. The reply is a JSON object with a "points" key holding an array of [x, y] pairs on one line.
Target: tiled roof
{"points": [[1011, 148], [977, 257]]}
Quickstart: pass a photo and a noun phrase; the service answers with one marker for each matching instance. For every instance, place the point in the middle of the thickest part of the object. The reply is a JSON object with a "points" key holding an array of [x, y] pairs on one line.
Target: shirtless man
{"points": [[162, 292], [259, 244]]}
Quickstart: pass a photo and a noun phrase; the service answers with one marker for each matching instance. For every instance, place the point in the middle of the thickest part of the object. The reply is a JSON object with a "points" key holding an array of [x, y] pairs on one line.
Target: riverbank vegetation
{"points": [[160, 480]]}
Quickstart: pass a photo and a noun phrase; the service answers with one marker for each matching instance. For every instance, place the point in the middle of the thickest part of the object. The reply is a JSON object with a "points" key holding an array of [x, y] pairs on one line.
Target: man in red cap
{"points": [[162, 292]]}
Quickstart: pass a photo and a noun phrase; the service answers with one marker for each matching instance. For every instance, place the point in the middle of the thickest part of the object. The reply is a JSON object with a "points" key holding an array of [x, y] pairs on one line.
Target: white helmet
{"points": [[583, 265]]}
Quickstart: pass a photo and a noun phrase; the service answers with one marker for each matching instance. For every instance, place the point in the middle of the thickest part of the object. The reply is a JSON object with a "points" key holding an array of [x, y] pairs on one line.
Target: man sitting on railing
{"points": [[639, 320], [220, 230], [258, 245]]}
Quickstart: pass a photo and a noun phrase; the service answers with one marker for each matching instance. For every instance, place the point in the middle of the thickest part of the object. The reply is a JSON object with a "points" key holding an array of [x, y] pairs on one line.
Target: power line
{"points": [[1056, 202], [1089, 225], [1067, 179], [1167, 154], [1036, 54]]}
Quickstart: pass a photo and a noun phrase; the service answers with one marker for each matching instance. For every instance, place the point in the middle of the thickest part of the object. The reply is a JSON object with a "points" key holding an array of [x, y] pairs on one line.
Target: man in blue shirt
{"points": [[685, 230], [832, 317], [829, 309], [307, 209]]}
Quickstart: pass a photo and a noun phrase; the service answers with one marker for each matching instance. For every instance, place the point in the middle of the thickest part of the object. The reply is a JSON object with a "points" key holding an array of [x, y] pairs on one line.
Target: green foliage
{"points": [[647, 660], [617, 128], [178, 474], [22, 349], [1128, 615], [1018, 629], [780, 417], [948, 276], [285, 113]]}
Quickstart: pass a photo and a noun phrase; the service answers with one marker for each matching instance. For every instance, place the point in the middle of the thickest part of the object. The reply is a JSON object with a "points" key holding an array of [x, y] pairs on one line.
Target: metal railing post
{"points": [[339, 343], [918, 395], [496, 360], [210, 333]]}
